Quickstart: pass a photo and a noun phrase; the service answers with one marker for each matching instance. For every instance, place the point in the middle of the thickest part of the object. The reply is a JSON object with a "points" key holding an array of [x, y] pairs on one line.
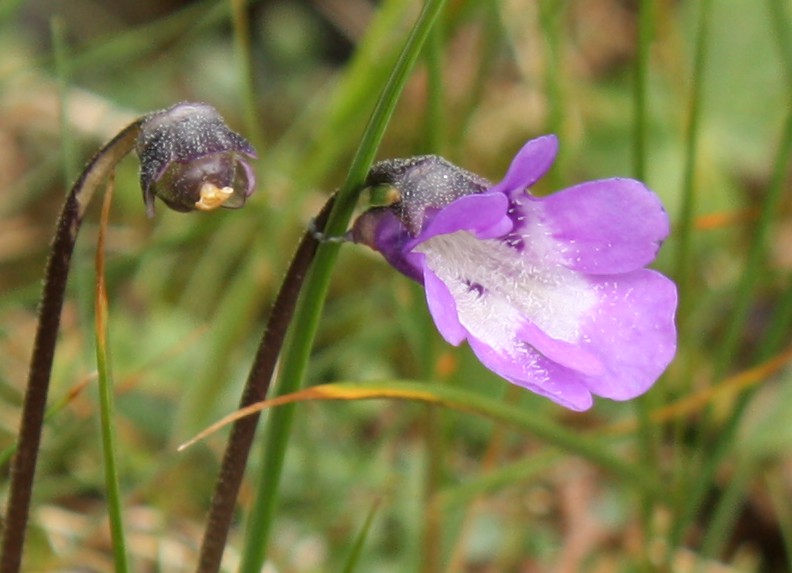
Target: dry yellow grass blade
{"points": [[323, 392]]}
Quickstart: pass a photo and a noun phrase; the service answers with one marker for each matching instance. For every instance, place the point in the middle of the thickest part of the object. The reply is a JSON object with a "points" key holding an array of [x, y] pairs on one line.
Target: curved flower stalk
{"points": [[550, 292], [232, 468], [189, 159]]}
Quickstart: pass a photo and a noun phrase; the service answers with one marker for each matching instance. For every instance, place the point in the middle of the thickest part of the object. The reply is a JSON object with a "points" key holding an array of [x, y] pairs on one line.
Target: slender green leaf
{"points": [[306, 319], [106, 408], [360, 541]]}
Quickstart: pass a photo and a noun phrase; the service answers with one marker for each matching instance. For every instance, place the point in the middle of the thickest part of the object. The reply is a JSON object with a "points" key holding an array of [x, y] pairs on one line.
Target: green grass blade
{"points": [[336, 120], [721, 525], [63, 73], [641, 78], [782, 318], [779, 17], [360, 541], [740, 310], [139, 43], [434, 133], [239, 17], [684, 232], [106, 409], [715, 454], [518, 472], [310, 307], [53, 410], [648, 434], [756, 257], [551, 15]]}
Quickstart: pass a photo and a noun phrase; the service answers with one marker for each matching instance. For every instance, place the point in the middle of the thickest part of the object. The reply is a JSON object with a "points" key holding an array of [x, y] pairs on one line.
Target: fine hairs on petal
{"points": [[496, 288]]}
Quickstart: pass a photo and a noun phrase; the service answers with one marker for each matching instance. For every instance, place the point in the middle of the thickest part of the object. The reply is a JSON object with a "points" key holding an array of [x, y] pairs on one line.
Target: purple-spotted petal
{"points": [[498, 289], [528, 166], [607, 226], [549, 328]]}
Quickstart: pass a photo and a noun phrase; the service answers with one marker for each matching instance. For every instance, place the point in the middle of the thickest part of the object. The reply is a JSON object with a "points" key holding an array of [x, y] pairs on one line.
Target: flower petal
{"points": [[537, 374], [381, 229], [443, 309], [632, 330], [610, 336], [528, 166], [498, 289], [564, 353], [483, 215], [607, 226]]}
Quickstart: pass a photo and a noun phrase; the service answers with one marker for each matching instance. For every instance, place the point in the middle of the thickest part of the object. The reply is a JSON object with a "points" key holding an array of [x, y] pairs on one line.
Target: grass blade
{"points": [[306, 319], [106, 409], [360, 541], [462, 401]]}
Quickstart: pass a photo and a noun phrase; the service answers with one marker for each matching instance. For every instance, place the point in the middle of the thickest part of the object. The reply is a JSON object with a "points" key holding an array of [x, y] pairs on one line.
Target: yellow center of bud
{"points": [[213, 196]]}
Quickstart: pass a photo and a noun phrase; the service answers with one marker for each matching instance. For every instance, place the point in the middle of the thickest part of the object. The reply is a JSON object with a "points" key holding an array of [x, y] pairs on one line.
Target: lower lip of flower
{"points": [[498, 287]]}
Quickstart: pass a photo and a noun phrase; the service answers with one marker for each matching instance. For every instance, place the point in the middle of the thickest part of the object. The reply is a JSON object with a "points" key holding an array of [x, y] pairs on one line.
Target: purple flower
{"points": [[551, 292], [191, 160]]}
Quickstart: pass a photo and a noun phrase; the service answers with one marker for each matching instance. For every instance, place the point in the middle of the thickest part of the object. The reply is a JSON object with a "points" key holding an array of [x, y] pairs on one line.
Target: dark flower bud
{"points": [[190, 159], [423, 184]]}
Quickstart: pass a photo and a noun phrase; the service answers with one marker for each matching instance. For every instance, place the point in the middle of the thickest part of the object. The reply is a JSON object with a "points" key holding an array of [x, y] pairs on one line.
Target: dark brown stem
{"points": [[23, 467], [237, 450]]}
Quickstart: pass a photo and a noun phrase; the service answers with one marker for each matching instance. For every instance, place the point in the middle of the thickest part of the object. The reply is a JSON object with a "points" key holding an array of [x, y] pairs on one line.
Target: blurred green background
{"points": [[189, 294]]}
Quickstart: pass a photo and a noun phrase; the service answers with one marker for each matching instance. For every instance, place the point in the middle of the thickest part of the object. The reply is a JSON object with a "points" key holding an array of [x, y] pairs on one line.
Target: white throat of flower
{"points": [[498, 289]]}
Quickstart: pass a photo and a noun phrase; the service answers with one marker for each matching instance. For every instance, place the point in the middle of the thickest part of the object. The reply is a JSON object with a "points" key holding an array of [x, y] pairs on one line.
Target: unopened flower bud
{"points": [[190, 159]]}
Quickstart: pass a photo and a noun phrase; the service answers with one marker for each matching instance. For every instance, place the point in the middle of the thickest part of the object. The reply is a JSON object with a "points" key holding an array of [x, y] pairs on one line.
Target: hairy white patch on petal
{"points": [[498, 288]]}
